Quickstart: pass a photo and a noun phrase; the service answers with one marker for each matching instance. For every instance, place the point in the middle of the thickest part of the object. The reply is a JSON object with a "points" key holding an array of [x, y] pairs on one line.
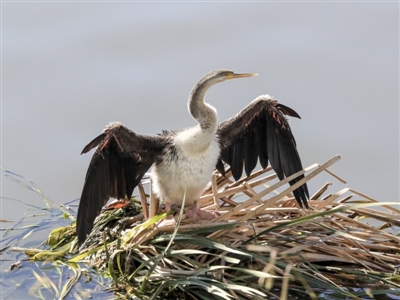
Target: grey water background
{"points": [[69, 68]]}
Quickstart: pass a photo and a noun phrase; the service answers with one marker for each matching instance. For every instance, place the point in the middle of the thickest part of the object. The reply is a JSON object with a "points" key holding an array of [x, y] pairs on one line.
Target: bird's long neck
{"points": [[204, 113]]}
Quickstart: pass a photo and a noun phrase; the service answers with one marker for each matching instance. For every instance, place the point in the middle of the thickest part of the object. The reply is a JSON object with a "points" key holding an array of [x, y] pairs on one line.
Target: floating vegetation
{"points": [[261, 247]]}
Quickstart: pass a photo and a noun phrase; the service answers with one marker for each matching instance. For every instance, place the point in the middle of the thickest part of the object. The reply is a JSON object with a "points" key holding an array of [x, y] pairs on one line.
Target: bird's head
{"points": [[217, 76], [200, 88]]}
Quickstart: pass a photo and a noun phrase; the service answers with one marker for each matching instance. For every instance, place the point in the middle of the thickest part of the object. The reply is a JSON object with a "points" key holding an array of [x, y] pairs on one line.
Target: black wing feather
{"points": [[261, 131], [250, 149], [119, 163], [237, 163], [261, 136], [273, 150], [220, 167]]}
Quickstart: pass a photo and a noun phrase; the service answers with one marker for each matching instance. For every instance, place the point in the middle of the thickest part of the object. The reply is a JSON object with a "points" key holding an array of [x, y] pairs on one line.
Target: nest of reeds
{"points": [[261, 247]]}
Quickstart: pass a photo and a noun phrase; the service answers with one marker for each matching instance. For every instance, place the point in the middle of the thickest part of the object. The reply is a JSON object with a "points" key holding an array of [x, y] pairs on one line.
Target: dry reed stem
{"points": [[391, 208], [331, 199], [336, 176], [143, 201], [322, 190], [154, 204]]}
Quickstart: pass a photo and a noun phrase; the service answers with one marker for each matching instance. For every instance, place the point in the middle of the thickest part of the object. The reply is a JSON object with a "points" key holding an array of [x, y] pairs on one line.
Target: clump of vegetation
{"points": [[261, 247]]}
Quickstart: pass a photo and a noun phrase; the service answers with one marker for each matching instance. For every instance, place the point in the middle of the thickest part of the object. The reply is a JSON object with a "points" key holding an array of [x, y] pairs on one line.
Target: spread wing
{"points": [[119, 163], [261, 131]]}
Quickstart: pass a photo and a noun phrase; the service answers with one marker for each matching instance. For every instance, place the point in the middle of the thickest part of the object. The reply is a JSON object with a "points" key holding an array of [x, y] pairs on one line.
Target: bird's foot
{"points": [[197, 214], [168, 221], [194, 213], [202, 215]]}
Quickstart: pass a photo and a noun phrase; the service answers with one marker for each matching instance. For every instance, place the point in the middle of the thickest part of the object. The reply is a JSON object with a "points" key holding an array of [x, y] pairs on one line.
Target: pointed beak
{"points": [[234, 75]]}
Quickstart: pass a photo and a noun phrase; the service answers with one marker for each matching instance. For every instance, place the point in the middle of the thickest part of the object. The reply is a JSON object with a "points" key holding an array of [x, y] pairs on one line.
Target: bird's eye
{"points": [[227, 74]]}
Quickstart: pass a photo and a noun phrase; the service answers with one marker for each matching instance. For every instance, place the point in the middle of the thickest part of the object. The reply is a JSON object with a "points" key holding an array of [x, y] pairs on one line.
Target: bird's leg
{"points": [[196, 213]]}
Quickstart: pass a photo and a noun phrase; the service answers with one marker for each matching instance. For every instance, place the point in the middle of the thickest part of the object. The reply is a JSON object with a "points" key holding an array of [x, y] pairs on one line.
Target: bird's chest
{"points": [[186, 170]]}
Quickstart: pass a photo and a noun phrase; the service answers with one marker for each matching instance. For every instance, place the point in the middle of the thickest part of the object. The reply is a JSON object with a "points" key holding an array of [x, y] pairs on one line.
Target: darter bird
{"points": [[183, 161]]}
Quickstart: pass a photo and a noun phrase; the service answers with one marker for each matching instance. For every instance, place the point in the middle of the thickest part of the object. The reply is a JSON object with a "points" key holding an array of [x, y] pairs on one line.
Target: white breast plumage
{"points": [[188, 168]]}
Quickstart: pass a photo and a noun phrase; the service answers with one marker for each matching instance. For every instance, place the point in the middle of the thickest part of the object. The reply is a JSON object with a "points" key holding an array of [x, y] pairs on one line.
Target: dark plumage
{"points": [[262, 131]]}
